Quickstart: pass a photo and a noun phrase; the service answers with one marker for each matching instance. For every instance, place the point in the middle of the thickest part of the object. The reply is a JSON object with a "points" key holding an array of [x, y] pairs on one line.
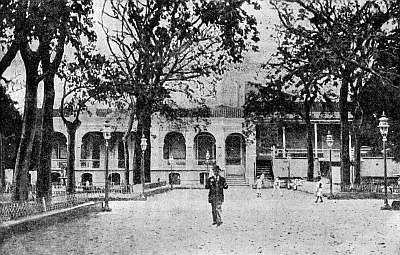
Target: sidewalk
{"points": [[32, 222]]}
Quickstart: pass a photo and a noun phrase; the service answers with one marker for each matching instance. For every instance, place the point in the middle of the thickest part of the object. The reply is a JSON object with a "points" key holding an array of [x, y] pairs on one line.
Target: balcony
{"points": [[90, 163], [178, 162], [58, 163]]}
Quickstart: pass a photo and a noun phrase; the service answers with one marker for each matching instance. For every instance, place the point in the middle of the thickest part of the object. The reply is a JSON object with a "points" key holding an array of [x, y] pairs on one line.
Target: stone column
{"points": [[190, 156], [220, 149], [316, 140], [284, 141]]}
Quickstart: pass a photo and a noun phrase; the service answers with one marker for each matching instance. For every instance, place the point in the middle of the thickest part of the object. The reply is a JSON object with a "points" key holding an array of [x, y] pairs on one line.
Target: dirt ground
{"points": [[179, 222]]}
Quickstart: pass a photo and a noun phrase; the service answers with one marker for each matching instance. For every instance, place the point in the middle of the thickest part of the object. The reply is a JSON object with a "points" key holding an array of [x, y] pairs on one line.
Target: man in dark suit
{"points": [[216, 184]]}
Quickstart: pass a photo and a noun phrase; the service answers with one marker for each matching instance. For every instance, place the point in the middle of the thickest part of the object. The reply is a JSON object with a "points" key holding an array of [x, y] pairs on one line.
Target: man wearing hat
{"points": [[216, 184]]}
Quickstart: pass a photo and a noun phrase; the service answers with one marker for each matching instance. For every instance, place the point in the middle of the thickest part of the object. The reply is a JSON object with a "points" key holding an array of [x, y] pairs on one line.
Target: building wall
{"points": [[219, 127], [374, 167]]}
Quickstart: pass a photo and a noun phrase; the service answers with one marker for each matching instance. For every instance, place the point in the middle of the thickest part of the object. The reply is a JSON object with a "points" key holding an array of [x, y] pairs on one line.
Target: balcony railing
{"points": [[204, 162], [178, 162], [58, 163], [90, 163], [324, 153]]}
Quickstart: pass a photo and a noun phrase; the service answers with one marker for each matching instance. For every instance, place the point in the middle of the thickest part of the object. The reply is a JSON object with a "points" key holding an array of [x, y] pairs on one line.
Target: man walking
{"points": [[216, 184]]}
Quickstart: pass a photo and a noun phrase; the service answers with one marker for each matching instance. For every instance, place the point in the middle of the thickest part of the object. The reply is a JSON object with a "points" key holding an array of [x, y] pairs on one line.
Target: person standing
{"points": [[277, 186], [318, 188], [216, 184], [258, 186]]}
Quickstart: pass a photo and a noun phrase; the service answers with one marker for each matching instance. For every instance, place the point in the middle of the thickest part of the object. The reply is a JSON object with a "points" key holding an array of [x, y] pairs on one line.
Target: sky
{"points": [[266, 17]]}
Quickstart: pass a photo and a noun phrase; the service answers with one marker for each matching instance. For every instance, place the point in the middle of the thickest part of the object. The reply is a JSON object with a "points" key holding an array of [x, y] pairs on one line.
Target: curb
{"points": [[37, 221]]}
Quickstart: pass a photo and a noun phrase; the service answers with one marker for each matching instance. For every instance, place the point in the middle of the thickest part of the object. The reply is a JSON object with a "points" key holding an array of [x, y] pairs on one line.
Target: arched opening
{"points": [[55, 178], [174, 178], [87, 179], [90, 150], [115, 178], [235, 150], [175, 145], [59, 151], [203, 143]]}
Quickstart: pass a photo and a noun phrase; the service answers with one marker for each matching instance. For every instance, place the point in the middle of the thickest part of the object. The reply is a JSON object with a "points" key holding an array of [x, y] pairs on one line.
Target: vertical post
{"points": [[2, 170], [330, 172], [288, 158], [385, 173], [142, 179], [143, 145], [284, 140], [329, 142], [207, 159], [316, 140], [384, 128], [106, 207], [107, 136], [171, 160]]}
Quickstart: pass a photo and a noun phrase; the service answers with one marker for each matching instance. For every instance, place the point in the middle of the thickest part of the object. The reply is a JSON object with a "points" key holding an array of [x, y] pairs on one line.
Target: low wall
{"points": [[44, 219]]}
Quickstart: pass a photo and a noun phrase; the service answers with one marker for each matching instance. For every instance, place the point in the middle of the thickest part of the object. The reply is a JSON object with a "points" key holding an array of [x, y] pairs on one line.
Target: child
{"points": [[319, 190], [277, 186], [258, 186]]}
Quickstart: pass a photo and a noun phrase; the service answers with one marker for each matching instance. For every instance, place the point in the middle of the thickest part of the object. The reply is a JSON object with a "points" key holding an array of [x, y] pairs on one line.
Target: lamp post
{"points": [[384, 128], [329, 141], [107, 136], [171, 161], [207, 160], [289, 158], [143, 145]]}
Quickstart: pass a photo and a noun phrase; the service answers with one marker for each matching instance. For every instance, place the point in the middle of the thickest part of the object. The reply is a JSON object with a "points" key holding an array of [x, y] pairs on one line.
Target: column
{"points": [[78, 149], [220, 150], [284, 141], [316, 140], [190, 156]]}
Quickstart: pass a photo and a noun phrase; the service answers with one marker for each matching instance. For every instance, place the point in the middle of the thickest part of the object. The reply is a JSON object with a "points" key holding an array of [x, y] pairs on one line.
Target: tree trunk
{"points": [[126, 138], [43, 186], [70, 171], [357, 129], [126, 160], [2, 169], [357, 155], [310, 151], [143, 127], [344, 131], [20, 178]]}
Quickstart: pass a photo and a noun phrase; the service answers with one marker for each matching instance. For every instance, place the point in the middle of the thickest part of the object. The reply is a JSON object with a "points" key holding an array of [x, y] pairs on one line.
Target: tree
{"points": [[49, 25], [10, 130], [13, 31], [173, 47], [82, 85], [348, 33]]}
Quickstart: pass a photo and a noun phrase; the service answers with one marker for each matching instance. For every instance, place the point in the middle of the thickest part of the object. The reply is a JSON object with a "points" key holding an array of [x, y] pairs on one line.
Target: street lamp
{"points": [[171, 161], [384, 128], [207, 159], [289, 157], [329, 141], [107, 136], [143, 145]]}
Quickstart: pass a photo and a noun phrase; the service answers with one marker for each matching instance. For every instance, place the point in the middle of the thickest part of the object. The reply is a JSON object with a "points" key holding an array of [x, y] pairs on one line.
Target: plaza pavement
{"points": [[179, 222]]}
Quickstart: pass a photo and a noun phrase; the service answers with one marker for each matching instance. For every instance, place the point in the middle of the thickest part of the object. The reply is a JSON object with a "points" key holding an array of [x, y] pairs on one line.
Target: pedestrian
{"points": [[258, 186], [318, 188], [277, 186], [216, 184]]}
